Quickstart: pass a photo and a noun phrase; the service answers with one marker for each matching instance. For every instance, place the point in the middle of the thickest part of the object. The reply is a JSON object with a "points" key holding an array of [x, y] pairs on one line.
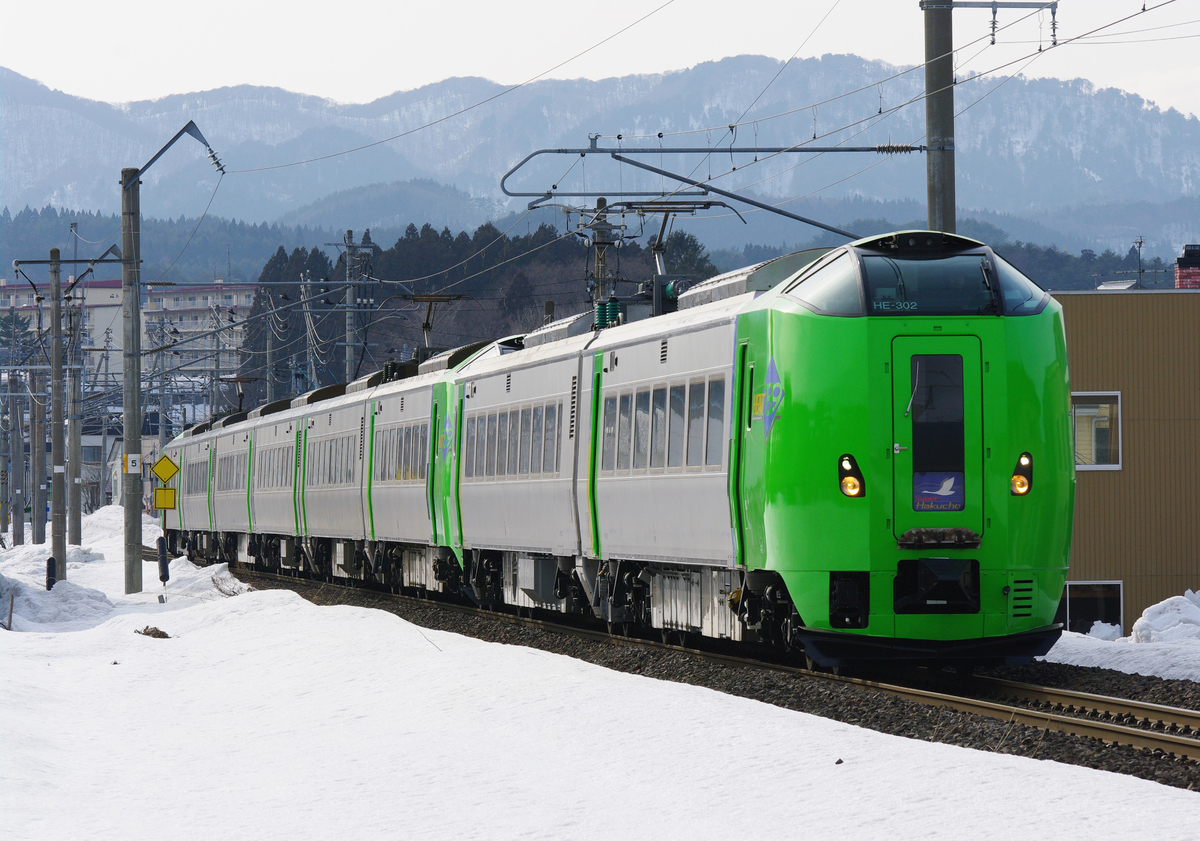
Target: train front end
{"points": [[905, 479]]}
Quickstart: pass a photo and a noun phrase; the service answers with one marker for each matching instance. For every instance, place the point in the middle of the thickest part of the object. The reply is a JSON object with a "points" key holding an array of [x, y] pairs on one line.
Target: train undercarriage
{"points": [[639, 598], [630, 597]]}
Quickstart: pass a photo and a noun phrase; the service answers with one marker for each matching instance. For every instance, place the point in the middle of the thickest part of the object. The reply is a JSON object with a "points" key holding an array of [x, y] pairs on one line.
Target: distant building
{"points": [[169, 313], [1187, 268]]}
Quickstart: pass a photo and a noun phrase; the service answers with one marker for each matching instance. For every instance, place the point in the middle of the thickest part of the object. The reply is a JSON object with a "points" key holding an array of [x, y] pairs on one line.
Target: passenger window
{"points": [[501, 443], [526, 431], [608, 459], [535, 448], [424, 447], [469, 461], [641, 430], [514, 440], [658, 428], [480, 445], [624, 422], [491, 446], [676, 437], [408, 459], [716, 417], [695, 443], [395, 465], [551, 439]]}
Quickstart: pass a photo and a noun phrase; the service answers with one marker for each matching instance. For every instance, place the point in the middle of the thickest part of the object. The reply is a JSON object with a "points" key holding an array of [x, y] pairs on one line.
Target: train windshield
{"points": [[961, 284], [1021, 295]]}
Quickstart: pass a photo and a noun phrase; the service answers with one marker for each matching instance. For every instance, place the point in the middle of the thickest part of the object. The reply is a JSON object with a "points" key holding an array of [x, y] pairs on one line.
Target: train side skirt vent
{"points": [[574, 397], [1021, 603]]}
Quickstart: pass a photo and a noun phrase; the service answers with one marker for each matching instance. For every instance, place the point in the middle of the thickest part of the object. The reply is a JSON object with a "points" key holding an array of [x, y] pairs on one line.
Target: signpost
{"points": [[164, 470]]}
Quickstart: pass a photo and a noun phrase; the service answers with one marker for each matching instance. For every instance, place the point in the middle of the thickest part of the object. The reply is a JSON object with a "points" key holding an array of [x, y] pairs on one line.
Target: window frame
{"points": [[1075, 430], [1066, 600]]}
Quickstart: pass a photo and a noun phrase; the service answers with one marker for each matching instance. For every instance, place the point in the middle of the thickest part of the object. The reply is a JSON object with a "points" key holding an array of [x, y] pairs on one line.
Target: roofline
{"points": [[1057, 292]]}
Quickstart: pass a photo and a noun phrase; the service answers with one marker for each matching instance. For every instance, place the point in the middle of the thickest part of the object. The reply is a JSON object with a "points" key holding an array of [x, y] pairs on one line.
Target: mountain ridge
{"points": [[1035, 148]]}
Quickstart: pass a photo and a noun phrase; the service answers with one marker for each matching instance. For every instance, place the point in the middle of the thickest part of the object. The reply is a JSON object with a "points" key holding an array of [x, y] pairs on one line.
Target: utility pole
{"points": [[310, 333], [270, 358], [74, 430], [5, 426], [939, 114], [58, 483], [350, 301], [37, 452], [75, 413], [939, 96], [131, 350], [17, 414], [131, 369], [216, 409]]}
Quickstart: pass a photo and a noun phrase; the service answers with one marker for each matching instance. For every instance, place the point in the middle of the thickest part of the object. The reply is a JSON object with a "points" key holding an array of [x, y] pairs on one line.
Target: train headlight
{"points": [[850, 478], [1022, 478]]}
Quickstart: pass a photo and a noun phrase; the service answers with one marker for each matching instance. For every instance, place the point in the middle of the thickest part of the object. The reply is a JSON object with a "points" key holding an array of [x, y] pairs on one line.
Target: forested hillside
{"points": [[505, 282]]}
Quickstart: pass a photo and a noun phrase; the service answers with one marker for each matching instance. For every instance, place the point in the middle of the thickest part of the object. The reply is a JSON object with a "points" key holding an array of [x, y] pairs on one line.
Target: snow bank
{"points": [[1165, 642], [1177, 618], [67, 604]]}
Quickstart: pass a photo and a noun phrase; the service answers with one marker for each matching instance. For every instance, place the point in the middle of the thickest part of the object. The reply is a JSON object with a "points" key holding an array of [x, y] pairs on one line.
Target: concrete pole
{"points": [[216, 409], [939, 117], [75, 431], [17, 414], [75, 412], [162, 395], [5, 467], [310, 334], [131, 369], [37, 456], [58, 445], [270, 359], [349, 307]]}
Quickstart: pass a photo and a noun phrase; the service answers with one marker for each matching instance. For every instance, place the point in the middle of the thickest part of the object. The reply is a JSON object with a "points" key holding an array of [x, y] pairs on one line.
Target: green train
{"points": [[859, 454]]}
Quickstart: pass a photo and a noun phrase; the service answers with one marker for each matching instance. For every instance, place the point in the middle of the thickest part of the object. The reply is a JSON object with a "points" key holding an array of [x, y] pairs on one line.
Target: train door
{"points": [[937, 424]]}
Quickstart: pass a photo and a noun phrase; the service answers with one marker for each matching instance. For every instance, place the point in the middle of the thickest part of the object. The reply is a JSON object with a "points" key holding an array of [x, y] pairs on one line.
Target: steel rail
{"points": [[1168, 719]]}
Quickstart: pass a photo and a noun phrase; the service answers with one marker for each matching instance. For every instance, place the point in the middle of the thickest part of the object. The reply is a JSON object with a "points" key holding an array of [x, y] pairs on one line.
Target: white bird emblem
{"points": [[946, 489]]}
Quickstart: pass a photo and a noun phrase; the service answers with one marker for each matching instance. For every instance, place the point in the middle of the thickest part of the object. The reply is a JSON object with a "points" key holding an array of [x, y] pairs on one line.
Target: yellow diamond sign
{"points": [[164, 469]]}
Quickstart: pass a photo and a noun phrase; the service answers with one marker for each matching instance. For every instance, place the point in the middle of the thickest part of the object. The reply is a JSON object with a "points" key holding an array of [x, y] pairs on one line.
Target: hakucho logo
{"points": [[939, 492], [768, 402]]}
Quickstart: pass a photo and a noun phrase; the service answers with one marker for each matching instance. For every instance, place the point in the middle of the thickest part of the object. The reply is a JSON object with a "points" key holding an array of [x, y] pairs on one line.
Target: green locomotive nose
{"points": [[891, 387]]}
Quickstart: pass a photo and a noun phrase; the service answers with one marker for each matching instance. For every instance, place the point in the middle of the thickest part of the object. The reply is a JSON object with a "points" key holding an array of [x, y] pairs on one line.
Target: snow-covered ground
{"points": [[263, 716]]}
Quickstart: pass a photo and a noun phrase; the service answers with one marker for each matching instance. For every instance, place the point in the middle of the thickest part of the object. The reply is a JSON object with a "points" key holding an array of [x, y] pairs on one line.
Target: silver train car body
{"points": [[583, 474]]}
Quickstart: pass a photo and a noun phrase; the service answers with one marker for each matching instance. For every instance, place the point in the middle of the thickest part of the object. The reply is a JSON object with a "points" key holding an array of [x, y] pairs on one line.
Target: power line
{"points": [[462, 111]]}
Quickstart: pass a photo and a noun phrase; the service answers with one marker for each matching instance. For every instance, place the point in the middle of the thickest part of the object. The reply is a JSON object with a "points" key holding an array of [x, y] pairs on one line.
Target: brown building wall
{"points": [[1140, 524]]}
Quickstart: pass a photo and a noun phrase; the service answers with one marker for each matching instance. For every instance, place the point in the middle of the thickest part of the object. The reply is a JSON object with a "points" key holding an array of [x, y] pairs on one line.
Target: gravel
{"points": [[829, 699]]}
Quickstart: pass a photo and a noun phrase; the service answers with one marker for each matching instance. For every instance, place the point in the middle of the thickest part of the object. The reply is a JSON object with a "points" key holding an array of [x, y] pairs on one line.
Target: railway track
{"points": [[1169, 731]]}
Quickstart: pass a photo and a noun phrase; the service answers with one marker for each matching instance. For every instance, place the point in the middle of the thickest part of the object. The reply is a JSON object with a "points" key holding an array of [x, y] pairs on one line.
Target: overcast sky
{"points": [[359, 50]]}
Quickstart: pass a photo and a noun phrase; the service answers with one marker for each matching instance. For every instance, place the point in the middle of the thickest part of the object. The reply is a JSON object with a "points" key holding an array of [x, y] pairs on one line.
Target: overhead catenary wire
{"points": [[1027, 58]]}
